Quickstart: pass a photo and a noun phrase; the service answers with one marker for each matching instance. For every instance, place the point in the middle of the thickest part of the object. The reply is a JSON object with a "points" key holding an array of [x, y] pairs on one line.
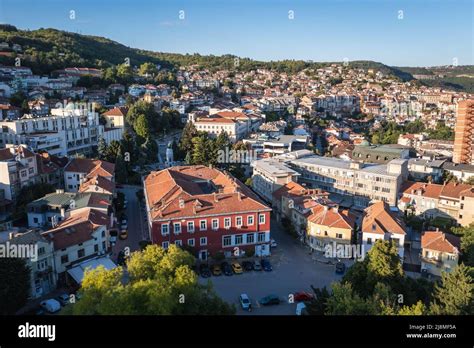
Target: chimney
{"points": [[325, 207], [437, 229], [239, 195], [216, 199], [335, 209], [181, 203]]}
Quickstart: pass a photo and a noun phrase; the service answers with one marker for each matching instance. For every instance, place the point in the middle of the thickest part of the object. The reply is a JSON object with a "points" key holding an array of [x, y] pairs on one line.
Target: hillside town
{"points": [[285, 179]]}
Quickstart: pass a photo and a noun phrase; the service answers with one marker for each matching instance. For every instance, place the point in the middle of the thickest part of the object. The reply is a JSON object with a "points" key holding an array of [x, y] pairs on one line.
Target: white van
{"points": [[51, 305]]}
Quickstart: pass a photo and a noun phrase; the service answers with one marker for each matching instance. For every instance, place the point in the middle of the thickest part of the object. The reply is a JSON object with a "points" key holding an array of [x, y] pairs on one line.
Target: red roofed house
{"points": [[380, 223], [440, 252], [83, 235], [328, 225], [207, 211], [78, 169]]}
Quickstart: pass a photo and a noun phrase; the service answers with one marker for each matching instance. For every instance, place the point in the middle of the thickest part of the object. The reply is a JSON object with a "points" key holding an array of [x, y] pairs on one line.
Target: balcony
{"points": [[432, 260]]}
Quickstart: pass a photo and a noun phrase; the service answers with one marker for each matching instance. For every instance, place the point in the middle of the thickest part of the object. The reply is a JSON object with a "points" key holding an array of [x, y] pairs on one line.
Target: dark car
{"points": [[303, 296], [63, 299], [36, 310], [204, 271], [226, 269], [340, 268], [121, 258], [266, 265], [248, 266], [269, 300]]}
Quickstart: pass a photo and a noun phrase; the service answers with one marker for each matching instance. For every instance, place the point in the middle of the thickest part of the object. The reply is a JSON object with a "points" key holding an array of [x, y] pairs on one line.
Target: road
{"points": [[294, 269], [137, 229]]}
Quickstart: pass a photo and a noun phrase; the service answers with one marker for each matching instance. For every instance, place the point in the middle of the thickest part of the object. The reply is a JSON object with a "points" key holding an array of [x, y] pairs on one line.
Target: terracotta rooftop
{"points": [[90, 167], [378, 218], [440, 241]]}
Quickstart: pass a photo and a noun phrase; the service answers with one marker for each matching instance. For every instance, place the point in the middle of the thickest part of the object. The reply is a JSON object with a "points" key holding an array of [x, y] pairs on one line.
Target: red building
{"points": [[207, 211]]}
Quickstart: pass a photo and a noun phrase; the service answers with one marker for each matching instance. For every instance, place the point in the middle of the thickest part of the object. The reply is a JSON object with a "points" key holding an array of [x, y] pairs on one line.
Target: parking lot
{"points": [[294, 270]]}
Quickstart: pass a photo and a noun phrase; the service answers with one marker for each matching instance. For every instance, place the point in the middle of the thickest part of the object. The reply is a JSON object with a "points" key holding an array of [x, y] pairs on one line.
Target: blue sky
{"points": [[432, 32]]}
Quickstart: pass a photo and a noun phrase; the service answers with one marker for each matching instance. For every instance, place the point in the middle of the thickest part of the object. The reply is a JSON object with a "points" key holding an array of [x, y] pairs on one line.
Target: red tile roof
{"points": [[90, 167], [76, 229], [331, 217], [440, 241], [117, 111], [197, 190], [427, 190], [99, 181], [379, 219]]}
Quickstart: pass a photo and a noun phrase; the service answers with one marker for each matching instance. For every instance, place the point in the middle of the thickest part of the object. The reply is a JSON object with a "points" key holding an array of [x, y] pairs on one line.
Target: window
{"points": [[30, 170], [103, 245], [261, 237], [451, 257], [250, 238], [250, 220], [369, 241], [190, 226], [203, 240], [238, 239], [164, 229], [81, 253], [215, 224], [23, 173], [238, 221], [339, 235], [191, 242], [64, 259], [261, 219], [226, 240], [35, 220], [41, 251], [178, 242], [96, 248], [165, 245], [227, 222], [202, 225], [177, 228]]}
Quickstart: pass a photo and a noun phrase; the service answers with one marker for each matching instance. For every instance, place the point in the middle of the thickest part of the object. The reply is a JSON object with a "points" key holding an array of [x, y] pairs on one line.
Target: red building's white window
{"points": [[177, 228], [238, 221], [202, 225], [250, 220], [227, 222], [190, 226], [165, 229], [165, 245], [203, 241], [261, 219], [215, 224], [191, 242]]}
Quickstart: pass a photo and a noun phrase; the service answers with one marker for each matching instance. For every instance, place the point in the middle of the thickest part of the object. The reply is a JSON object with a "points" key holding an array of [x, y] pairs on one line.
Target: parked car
{"points": [[247, 266], [63, 299], [204, 270], [273, 243], [216, 270], [51, 305], [236, 267], [125, 203], [303, 296], [301, 309], [269, 300], [340, 268], [123, 234], [37, 310], [226, 269], [266, 265], [245, 302], [113, 236], [257, 266]]}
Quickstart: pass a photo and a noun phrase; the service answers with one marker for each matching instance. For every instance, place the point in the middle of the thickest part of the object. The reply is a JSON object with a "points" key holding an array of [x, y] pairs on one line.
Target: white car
{"points": [[245, 302], [273, 243], [51, 305]]}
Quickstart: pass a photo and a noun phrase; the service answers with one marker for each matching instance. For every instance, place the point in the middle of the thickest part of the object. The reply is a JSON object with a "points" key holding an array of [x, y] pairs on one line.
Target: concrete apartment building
{"points": [[464, 133], [380, 154], [363, 182], [269, 175], [18, 168], [66, 132]]}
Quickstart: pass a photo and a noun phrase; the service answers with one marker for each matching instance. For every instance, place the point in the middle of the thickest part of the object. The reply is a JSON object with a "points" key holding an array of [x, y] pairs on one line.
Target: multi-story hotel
{"points": [[464, 133], [206, 211]]}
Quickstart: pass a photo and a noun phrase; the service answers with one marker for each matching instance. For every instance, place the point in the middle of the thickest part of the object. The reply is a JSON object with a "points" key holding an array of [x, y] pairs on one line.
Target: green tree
{"points": [[112, 151], [186, 141], [161, 282], [14, 285], [142, 127], [148, 69], [102, 148], [344, 301], [467, 243], [455, 294], [124, 73]]}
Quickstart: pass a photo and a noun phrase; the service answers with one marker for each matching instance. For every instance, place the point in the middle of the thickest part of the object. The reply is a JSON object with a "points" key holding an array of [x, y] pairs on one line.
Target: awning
{"points": [[77, 272]]}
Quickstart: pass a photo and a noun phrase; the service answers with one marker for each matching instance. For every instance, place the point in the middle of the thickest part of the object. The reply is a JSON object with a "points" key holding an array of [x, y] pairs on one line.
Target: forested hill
{"points": [[45, 50]]}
